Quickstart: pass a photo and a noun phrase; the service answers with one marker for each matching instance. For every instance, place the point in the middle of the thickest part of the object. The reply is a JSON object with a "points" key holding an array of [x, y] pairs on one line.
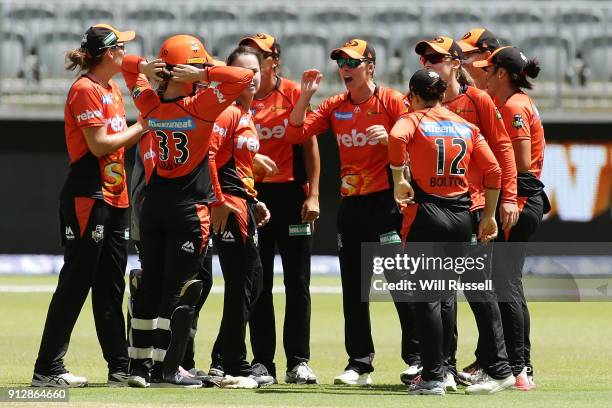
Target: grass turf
{"points": [[572, 350]]}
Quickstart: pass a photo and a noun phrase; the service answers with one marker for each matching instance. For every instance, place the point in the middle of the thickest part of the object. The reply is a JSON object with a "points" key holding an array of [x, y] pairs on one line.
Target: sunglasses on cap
{"points": [[120, 46], [434, 58], [349, 62]]}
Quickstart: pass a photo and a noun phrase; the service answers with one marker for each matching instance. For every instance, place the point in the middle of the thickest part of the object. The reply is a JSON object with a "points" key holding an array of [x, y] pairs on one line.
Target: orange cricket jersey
{"points": [[364, 164], [523, 122], [477, 107], [183, 126], [271, 116], [441, 146], [90, 104], [234, 144]]}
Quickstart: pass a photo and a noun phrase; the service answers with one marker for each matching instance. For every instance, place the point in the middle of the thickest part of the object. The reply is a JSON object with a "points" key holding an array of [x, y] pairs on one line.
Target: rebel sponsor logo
{"points": [[88, 114], [214, 87], [116, 123], [219, 130], [355, 139], [249, 142], [277, 132]]}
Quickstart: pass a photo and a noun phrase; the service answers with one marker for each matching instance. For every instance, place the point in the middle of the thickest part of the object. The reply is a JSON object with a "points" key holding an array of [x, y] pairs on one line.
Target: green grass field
{"points": [[572, 353]]}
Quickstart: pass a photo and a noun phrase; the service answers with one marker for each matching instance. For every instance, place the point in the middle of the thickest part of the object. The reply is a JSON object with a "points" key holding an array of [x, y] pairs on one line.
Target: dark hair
{"points": [[531, 70], [434, 92], [244, 50], [81, 59], [464, 78]]}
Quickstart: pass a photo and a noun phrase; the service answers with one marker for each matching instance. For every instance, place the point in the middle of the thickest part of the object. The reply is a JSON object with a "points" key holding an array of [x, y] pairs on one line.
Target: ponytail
{"points": [[464, 78], [531, 70], [81, 59]]}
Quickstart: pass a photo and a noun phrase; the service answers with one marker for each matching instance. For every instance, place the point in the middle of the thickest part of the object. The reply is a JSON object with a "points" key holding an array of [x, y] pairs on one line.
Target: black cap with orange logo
{"points": [[355, 48], [479, 39], [100, 37], [440, 45]]}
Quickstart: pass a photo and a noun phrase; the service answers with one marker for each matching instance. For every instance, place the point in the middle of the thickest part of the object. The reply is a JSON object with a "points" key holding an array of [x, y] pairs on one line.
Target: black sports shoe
{"points": [[178, 380], [261, 376]]}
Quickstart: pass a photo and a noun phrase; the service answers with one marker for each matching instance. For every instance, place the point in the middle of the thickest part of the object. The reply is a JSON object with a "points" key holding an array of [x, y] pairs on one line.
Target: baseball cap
{"points": [[508, 57], [265, 42], [423, 81], [479, 39], [441, 45], [355, 48], [100, 37]]}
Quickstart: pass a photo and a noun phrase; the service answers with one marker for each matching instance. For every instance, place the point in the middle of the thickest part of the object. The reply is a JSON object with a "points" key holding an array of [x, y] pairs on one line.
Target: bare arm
{"points": [[312, 161], [522, 154], [100, 144]]}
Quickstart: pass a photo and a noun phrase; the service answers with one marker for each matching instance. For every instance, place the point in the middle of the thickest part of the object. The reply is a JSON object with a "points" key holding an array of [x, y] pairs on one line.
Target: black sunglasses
{"points": [[350, 62], [433, 58]]}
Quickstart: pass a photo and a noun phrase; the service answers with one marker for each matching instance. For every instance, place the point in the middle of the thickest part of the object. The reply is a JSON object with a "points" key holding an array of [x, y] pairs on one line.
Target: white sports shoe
{"points": [[301, 374], [65, 380], [352, 377], [410, 374], [483, 384], [449, 383]]}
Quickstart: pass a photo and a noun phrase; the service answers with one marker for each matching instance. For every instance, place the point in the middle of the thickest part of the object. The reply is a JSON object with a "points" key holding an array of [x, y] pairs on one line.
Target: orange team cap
{"points": [[355, 48], [479, 39], [441, 45], [263, 41], [184, 49]]}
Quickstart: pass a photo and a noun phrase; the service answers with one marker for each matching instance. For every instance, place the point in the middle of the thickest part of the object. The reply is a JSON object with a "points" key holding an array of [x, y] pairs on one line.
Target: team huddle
{"points": [[227, 158]]}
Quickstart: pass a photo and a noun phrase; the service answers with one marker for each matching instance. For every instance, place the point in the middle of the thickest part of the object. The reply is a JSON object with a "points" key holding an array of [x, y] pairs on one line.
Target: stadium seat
{"points": [[597, 55], [86, 16], [31, 21], [272, 21], [211, 23], [149, 23], [225, 44], [555, 53], [519, 23], [580, 24], [454, 23], [12, 56], [303, 51], [51, 51], [399, 22], [335, 23]]}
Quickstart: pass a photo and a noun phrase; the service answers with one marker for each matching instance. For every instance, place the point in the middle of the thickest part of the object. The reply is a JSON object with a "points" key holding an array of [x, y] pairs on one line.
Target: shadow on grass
{"points": [[386, 389]]}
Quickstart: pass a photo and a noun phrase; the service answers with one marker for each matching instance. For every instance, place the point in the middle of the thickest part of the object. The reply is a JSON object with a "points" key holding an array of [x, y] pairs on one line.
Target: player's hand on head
{"points": [[186, 73], [311, 78], [153, 69], [487, 229], [378, 132], [262, 214]]}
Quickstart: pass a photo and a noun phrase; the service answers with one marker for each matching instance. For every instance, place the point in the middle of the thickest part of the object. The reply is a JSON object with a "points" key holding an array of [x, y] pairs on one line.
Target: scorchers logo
{"points": [[352, 182], [113, 178]]}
